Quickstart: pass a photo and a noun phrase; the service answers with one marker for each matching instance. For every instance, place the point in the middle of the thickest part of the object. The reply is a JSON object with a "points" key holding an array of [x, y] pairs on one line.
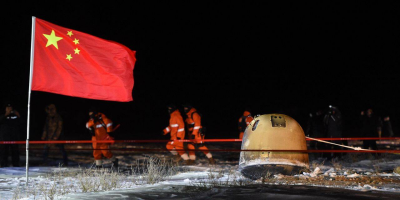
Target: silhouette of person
{"points": [[316, 129], [333, 123], [371, 126], [10, 124], [52, 131]]}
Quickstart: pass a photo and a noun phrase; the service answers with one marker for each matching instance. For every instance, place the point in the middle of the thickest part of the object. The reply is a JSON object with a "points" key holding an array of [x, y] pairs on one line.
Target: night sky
{"points": [[290, 58]]}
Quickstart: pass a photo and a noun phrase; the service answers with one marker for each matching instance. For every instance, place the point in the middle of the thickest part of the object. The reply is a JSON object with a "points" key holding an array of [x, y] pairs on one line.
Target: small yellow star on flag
{"points": [[77, 51], [52, 39], [76, 41], [69, 57], [70, 33]]}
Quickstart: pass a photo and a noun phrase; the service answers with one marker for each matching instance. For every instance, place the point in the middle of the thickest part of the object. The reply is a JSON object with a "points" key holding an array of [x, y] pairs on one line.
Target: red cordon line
{"points": [[367, 138], [237, 150], [160, 141]]}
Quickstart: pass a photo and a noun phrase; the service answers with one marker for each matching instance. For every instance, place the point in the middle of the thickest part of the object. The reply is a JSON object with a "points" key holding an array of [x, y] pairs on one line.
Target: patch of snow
{"points": [[353, 175], [331, 170], [279, 176], [316, 171]]}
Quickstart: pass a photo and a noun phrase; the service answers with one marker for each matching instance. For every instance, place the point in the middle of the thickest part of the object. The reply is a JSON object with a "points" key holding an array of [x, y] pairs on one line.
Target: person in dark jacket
{"points": [[10, 124], [333, 123], [53, 130], [371, 126], [316, 129], [387, 130]]}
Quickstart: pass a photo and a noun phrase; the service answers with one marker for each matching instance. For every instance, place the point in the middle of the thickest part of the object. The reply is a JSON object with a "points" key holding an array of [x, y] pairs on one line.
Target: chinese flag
{"points": [[73, 63]]}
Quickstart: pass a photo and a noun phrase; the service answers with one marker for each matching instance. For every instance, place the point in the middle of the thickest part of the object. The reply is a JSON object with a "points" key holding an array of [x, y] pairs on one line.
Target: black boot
{"points": [[115, 163]]}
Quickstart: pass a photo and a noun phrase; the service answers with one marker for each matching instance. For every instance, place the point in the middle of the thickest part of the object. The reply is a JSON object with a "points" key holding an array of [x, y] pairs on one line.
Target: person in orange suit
{"points": [[101, 127], [176, 129], [244, 121], [196, 133]]}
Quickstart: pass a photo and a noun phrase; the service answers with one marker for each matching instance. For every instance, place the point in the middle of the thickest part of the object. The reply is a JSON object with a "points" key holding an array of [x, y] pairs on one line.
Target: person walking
{"points": [[10, 124], [196, 133], [52, 131], [100, 127], [176, 129]]}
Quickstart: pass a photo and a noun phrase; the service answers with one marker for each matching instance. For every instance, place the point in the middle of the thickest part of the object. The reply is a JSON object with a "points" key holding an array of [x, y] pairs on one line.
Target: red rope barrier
{"points": [[366, 138], [165, 141], [235, 150]]}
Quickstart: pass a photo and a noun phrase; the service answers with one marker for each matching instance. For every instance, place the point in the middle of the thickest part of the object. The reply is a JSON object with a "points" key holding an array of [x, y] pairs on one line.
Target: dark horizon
{"points": [[291, 58]]}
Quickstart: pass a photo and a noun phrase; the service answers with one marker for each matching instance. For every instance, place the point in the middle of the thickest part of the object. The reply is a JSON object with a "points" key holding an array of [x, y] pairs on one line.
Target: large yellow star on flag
{"points": [[52, 39]]}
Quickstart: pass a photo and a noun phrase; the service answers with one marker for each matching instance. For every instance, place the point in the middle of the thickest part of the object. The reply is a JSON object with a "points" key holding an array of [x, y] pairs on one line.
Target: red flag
{"points": [[73, 63]]}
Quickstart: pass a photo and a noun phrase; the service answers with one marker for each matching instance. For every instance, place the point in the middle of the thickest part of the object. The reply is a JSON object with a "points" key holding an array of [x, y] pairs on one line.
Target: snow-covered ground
{"points": [[354, 176]]}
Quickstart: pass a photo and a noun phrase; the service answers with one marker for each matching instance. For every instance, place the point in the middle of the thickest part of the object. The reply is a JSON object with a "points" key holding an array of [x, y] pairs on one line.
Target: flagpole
{"points": [[29, 96]]}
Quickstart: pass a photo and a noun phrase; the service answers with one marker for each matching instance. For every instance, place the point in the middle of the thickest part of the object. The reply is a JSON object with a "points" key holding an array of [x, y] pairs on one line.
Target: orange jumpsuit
{"points": [[193, 121], [101, 129], [244, 121], [177, 130]]}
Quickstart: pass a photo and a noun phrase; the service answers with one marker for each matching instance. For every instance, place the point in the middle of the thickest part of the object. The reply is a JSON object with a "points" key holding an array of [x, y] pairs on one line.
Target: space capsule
{"points": [[273, 132]]}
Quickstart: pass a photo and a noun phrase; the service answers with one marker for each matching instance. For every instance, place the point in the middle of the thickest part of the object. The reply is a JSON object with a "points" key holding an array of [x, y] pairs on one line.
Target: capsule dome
{"points": [[273, 132]]}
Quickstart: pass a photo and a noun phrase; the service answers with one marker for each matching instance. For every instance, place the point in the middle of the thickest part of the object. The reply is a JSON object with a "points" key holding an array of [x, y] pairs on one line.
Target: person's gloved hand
{"points": [[111, 134], [92, 131]]}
